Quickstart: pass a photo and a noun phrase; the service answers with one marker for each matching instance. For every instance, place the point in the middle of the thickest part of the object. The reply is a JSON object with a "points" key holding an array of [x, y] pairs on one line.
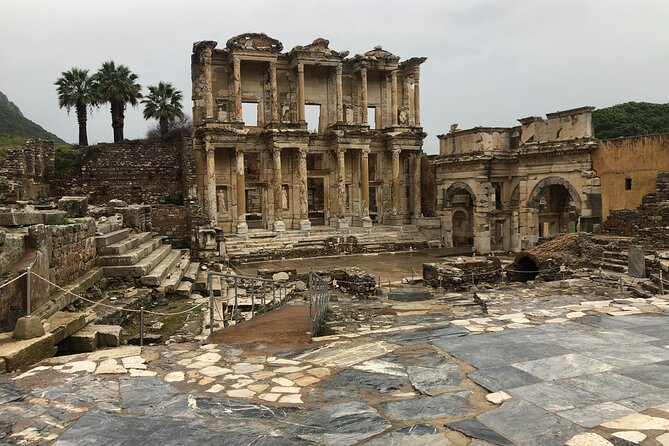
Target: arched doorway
{"points": [[459, 199], [463, 235], [558, 204]]}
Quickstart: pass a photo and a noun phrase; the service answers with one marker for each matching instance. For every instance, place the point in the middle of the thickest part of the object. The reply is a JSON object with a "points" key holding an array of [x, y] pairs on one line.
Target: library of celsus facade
{"points": [[287, 140]]}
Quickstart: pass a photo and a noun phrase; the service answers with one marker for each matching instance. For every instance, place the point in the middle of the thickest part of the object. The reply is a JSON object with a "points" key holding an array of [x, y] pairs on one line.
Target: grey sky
{"points": [[489, 61]]}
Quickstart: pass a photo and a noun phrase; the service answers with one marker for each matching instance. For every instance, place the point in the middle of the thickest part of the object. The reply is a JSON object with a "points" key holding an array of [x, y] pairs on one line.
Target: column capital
{"points": [[272, 64], [276, 151], [302, 152], [396, 150], [365, 151], [239, 151], [300, 67], [236, 61], [338, 70], [340, 150]]}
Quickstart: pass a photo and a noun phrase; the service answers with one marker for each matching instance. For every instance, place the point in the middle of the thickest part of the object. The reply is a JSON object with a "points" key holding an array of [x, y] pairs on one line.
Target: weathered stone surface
{"points": [[416, 435], [475, 429], [636, 262], [447, 404], [28, 327], [73, 206], [433, 372], [22, 353]]}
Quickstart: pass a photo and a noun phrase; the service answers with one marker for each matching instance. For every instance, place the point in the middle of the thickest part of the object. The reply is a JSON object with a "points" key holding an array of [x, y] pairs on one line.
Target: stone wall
{"points": [[71, 250], [139, 171], [628, 169], [26, 170], [174, 222]]}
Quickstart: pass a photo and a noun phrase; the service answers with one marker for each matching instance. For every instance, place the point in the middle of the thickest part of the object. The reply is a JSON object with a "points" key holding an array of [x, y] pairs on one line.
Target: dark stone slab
{"points": [[636, 261], [592, 416], [404, 337], [529, 425], [563, 366], [475, 429], [445, 405], [643, 402], [409, 295], [5, 429], [113, 429], [556, 396], [611, 386], [235, 409], [350, 382], [488, 356], [433, 372], [10, 392], [660, 331], [416, 435], [502, 377], [653, 374], [628, 356], [337, 424]]}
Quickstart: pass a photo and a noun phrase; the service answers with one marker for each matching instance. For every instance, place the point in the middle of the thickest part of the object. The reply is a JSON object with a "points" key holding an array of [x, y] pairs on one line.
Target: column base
{"points": [[366, 222], [279, 226], [342, 223], [305, 225], [242, 228], [28, 327]]}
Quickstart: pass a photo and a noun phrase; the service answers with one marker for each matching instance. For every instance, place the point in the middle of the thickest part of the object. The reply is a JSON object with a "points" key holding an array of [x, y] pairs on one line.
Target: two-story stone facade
{"points": [[287, 140], [504, 188]]}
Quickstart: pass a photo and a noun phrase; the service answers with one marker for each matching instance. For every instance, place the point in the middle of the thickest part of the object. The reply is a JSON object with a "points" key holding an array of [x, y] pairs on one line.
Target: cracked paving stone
{"points": [[416, 435], [338, 424], [349, 383], [591, 416], [445, 405], [502, 378], [433, 372], [475, 429]]}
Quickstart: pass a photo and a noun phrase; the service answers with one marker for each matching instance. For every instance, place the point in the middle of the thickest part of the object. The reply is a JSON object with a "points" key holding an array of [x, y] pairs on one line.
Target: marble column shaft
{"points": [[393, 97], [396, 180], [417, 207], [273, 102], [363, 95], [210, 183], [364, 181], [237, 88], [304, 193], [276, 177], [340, 94], [416, 97], [241, 187], [208, 97], [300, 92], [341, 182]]}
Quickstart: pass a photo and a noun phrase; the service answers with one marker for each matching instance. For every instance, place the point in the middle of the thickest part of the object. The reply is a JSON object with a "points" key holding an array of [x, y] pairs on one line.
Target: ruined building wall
{"points": [[140, 171], [638, 159], [27, 170], [479, 139], [71, 250]]}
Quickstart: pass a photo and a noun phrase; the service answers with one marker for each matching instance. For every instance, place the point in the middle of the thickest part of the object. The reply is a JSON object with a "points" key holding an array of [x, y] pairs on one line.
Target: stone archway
{"points": [[459, 204], [456, 189], [556, 205], [463, 232]]}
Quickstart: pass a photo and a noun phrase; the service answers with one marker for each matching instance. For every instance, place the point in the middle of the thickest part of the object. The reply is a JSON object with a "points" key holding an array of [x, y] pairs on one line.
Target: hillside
{"points": [[631, 119], [13, 123]]}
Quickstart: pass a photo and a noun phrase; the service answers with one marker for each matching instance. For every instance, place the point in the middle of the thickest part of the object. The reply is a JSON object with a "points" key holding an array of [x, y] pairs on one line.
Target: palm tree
{"points": [[75, 89], [164, 104], [116, 85]]}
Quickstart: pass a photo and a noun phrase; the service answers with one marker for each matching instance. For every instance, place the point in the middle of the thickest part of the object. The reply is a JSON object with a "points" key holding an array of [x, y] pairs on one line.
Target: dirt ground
{"points": [[279, 330]]}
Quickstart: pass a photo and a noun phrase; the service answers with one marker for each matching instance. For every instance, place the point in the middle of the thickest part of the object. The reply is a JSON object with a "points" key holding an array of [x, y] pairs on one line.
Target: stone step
{"points": [[106, 228], [173, 279], [64, 323], [192, 272], [131, 257], [200, 284], [62, 299], [165, 267], [184, 289], [104, 240], [126, 245], [90, 338], [612, 266], [140, 268]]}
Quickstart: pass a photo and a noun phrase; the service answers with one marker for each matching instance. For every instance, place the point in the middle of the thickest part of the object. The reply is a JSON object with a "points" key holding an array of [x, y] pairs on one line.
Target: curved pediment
{"points": [[319, 47], [254, 42], [378, 53]]}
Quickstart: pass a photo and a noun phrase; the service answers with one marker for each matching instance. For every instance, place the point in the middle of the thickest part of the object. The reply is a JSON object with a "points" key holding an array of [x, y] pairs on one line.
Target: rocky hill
{"points": [[13, 123]]}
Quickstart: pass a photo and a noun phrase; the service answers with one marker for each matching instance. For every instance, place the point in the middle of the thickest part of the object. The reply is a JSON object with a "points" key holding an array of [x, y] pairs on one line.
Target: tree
{"points": [[164, 104], [631, 119], [181, 127], [116, 85], [76, 89]]}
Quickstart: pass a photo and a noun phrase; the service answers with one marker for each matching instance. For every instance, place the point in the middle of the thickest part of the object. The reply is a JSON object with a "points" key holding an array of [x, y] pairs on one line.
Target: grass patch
{"points": [[12, 141], [63, 221], [67, 156]]}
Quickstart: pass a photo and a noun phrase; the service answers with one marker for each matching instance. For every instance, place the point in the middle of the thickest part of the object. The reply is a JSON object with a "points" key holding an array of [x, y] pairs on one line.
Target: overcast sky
{"points": [[489, 63]]}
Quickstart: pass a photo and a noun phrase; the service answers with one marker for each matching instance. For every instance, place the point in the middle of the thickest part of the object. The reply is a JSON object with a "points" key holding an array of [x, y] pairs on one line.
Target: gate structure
{"points": [[319, 292]]}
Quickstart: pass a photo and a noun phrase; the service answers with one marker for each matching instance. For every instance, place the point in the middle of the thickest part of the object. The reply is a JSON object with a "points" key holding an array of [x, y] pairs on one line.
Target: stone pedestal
{"points": [[279, 226], [636, 261], [342, 223], [242, 228], [305, 225], [366, 222], [28, 327]]}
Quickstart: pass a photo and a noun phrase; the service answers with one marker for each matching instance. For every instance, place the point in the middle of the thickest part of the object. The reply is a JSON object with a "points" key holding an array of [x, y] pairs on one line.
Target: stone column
{"points": [[341, 189], [279, 226], [273, 102], [417, 208], [242, 227], [300, 92], [210, 182], [393, 97], [408, 101], [364, 187], [363, 95], [237, 89], [208, 98], [340, 94], [396, 181], [416, 97], [305, 224]]}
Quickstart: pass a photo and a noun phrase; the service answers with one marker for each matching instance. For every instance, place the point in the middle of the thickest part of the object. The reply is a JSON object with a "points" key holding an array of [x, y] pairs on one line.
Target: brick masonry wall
{"points": [[26, 169], [139, 171], [71, 250], [172, 221]]}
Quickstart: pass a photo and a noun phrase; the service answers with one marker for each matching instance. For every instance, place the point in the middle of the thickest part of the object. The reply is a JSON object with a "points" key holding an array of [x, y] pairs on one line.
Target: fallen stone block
{"points": [[74, 206], [19, 354], [108, 335]]}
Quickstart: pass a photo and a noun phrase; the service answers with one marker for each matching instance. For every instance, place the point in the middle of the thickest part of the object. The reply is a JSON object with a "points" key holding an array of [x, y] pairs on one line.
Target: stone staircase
{"points": [[614, 256], [259, 245], [145, 257]]}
